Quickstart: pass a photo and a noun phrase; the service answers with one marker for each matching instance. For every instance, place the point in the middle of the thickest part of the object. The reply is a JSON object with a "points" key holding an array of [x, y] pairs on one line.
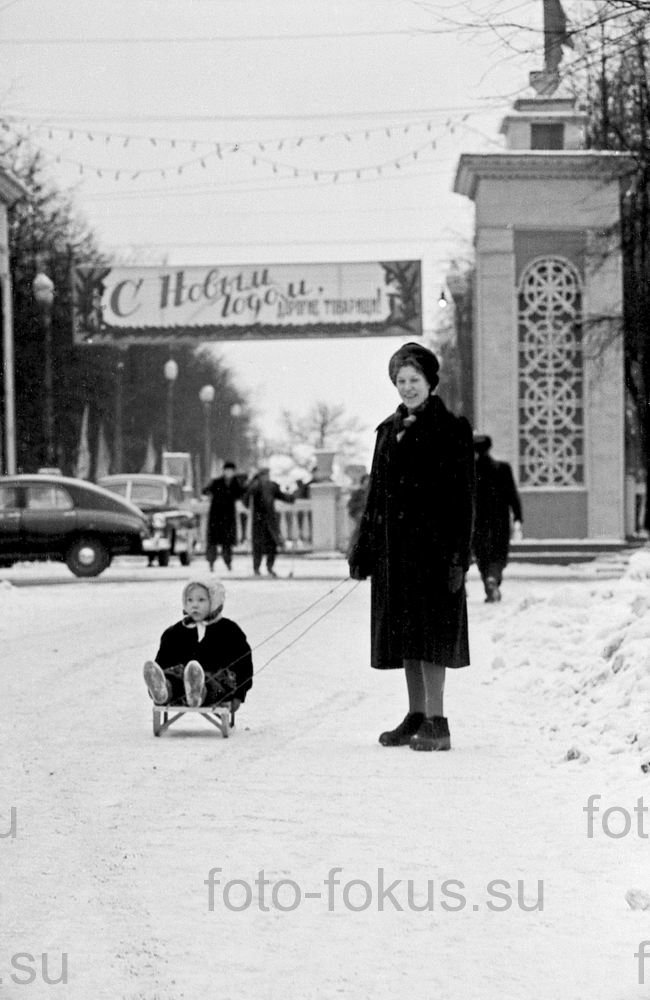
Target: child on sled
{"points": [[204, 659]]}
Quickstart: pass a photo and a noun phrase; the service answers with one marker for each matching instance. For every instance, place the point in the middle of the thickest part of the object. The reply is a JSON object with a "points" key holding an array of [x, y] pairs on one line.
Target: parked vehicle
{"points": [[173, 524], [54, 517]]}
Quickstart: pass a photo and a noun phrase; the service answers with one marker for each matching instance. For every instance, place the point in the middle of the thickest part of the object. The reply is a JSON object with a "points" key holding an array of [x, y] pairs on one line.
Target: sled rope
{"points": [[290, 622], [311, 624], [299, 615]]}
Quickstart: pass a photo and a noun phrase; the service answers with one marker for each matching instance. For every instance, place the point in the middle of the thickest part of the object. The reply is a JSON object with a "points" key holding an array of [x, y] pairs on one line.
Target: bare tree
{"points": [[325, 425], [614, 78]]}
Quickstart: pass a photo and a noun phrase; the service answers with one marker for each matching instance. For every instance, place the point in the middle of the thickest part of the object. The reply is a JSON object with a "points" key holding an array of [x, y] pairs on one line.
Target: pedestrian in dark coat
{"points": [[496, 499], [222, 517], [414, 543], [260, 499]]}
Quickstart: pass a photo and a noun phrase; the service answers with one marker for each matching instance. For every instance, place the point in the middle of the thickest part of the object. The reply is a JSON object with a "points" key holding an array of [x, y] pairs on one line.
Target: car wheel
{"points": [[87, 557], [163, 558], [185, 558]]}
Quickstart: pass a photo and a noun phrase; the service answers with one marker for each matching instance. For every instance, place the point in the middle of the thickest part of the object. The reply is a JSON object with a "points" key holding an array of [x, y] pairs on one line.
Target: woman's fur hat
{"points": [[216, 593], [419, 357]]}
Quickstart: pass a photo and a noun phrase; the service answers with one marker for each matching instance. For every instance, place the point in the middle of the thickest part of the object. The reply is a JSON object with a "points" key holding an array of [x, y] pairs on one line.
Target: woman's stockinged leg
{"points": [[402, 734], [433, 733], [416, 686], [433, 679]]}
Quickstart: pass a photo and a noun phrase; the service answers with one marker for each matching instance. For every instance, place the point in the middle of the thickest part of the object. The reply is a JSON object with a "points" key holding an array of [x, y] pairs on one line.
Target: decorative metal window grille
{"points": [[551, 381]]}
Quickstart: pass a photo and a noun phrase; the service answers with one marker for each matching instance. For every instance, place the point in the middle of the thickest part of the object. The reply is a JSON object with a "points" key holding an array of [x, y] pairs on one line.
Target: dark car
{"points": [[53, 517], [174, 525]]}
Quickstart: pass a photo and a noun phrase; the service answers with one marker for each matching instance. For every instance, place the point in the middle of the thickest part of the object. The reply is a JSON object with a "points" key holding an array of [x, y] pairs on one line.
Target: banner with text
{"points": [[155, 305]]}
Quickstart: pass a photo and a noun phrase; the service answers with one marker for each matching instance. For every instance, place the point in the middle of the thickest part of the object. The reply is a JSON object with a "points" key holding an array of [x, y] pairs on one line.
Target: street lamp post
{"points": [[236, 410], [171, 374], [206, 395], [43, 291]]}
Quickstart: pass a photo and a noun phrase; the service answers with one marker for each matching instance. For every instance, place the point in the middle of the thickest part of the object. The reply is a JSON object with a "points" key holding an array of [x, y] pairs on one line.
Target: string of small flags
{"points": [[166, 142], [276, 166], [256, 153]]}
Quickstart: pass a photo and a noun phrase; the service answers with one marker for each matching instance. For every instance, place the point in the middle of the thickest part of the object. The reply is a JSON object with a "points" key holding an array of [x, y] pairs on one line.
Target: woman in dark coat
{"points": [[414, 542]]}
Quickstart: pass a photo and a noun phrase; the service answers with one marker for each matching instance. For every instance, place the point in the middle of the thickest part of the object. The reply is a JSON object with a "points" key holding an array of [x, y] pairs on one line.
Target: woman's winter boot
{"points": [[433, 734], [400, 736]]}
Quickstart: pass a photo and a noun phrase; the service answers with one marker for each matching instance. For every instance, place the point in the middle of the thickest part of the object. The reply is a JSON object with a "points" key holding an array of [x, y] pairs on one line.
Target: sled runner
{"points": [[222, 717]]}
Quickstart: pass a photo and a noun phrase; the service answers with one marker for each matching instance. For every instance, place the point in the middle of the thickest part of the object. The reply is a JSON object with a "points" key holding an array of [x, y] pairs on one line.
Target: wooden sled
{"points": [[222, 717]]}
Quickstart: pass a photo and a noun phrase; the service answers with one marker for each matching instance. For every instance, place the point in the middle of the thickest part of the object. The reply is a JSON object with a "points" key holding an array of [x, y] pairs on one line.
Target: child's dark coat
{"points": [[224, 646]]}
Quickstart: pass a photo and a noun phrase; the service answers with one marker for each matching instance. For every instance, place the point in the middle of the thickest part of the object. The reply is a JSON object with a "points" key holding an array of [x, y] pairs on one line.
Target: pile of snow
{"points": [[587, 654]]}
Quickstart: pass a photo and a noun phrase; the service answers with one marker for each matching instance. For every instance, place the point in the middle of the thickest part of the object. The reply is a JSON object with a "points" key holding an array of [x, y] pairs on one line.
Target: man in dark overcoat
{"points": [[222, 518], [260, 499], [496, 500]]}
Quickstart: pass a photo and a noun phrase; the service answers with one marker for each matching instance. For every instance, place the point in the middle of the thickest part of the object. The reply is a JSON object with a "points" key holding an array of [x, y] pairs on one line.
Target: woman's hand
{"points": [[357, 573], [359, 559]]}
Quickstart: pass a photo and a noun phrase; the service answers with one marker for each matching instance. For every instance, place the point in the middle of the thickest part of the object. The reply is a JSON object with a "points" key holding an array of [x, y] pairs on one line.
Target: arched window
{"points": [[551, 417]]}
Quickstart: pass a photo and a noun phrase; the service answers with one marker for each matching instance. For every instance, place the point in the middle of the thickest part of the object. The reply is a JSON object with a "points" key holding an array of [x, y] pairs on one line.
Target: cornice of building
{"points": [[538, 165], [538, 115]]}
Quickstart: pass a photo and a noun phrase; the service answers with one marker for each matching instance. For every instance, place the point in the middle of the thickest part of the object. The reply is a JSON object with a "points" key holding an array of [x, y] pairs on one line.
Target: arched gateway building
{"points": [[548, 353]]}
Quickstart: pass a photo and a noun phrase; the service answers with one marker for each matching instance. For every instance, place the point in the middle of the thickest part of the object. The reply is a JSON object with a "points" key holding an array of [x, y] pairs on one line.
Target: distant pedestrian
{"points": [[414, 543], [222, 517], [260, 497], [302, 492], [496, 500]]}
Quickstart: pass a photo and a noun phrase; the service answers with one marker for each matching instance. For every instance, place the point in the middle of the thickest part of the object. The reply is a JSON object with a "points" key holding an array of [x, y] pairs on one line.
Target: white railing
{"points": [[294, 521]]}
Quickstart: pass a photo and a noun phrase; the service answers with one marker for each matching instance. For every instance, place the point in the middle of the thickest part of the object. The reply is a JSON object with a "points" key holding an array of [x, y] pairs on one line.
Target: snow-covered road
{"points": [[109, 835]]}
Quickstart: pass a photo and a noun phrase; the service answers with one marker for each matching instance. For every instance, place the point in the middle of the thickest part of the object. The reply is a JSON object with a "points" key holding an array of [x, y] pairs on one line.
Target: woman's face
{"points": [[412, 386]]}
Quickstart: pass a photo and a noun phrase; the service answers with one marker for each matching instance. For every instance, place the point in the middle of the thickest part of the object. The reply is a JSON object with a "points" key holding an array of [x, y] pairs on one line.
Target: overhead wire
{"points": [[227, 39], [212, 118]]}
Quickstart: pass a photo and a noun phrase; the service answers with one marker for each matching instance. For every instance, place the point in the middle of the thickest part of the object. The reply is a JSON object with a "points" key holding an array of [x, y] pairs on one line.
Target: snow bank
{"points": [[586, 653], [7, 595]]}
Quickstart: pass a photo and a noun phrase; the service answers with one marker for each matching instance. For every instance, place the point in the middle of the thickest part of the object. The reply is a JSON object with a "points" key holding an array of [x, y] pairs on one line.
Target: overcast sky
{"points": [[138, 103]]}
